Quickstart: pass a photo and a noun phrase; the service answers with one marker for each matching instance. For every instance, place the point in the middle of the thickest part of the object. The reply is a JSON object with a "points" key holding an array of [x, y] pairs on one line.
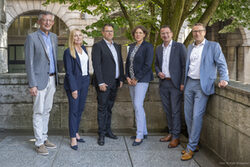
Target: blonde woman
{"points": [[76, 82]]}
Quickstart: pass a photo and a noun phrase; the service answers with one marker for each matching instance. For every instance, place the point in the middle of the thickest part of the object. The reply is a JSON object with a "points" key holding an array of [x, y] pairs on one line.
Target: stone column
{"points": [[231, 62], [246, 52], [3, 39]]}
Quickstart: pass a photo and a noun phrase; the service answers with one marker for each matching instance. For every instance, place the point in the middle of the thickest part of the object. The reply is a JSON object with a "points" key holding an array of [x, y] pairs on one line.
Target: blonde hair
{"points": [[71, 42]]}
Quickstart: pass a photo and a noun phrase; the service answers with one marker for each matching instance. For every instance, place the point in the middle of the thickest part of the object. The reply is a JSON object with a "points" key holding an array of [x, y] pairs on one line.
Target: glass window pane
{"points": [[19, 52], [34, 25], [13, 28], [24, 25], [16, 68], [11, 52]]}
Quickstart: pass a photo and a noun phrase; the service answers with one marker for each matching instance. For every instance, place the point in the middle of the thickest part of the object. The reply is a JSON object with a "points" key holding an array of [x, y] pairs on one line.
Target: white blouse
{"points": [[84, 62]]}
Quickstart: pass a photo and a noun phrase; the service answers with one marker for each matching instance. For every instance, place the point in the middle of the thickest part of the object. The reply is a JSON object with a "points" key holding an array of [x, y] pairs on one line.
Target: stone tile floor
{"points": [[19, 151]]}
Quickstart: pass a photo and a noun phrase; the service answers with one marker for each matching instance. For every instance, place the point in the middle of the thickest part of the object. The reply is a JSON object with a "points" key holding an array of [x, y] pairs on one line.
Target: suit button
{"points": [[48, 63], [48, 72]]}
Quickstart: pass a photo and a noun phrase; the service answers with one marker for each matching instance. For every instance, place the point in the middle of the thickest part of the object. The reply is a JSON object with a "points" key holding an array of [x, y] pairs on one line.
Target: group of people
{"points": [[191, 72]]}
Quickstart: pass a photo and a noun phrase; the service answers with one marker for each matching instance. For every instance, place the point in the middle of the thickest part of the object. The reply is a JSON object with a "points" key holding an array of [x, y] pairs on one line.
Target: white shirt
{"points": [[84, 62], [195, 60], [166, 57], [114, 53]]}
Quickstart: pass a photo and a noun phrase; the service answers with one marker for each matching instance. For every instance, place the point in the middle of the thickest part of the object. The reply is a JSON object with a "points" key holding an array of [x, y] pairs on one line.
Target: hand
{"points": [[182, 87], [33, 91], [222, 84], [121, 84], [129, 80], [161, 75], [134, 82], [103, 87], [74, 94]]}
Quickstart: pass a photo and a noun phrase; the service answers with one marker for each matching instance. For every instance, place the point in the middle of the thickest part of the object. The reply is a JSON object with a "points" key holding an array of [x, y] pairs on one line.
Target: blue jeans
{"points": [[195, 102], [138, 94]]}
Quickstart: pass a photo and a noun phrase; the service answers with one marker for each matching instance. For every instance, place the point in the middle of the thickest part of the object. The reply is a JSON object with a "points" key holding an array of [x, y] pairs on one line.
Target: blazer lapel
{"points": [[204, 51], [107, 49], [43, 44], [191, 46], [172, 52], [140, 48], [160, 55], [53, 47], [78, 60], [117, 51], [131, 48]]}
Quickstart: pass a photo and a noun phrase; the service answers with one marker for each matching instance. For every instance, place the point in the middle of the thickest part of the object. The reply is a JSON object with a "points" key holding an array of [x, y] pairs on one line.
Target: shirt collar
{"points": [[202, 43], [107, 42], [169, 45], [43, 33]]}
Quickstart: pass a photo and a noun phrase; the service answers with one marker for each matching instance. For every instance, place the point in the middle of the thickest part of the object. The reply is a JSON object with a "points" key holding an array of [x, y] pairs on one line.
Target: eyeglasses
{"points": [[107, 31], [47, 20], [197, 31]]}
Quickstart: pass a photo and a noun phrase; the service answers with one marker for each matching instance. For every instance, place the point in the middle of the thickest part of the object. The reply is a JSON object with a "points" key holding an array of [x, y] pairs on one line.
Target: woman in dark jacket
{"points": [[76, 82], [139, 74]]}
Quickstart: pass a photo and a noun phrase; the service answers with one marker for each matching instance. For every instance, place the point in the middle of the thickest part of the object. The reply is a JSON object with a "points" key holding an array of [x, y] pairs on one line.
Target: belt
{"points": [[167, 79], [52, 74]]}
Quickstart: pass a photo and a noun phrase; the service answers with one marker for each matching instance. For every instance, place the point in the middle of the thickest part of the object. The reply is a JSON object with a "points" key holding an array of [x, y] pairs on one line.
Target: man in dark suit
{"points": [[108, 76], [170, 68]]}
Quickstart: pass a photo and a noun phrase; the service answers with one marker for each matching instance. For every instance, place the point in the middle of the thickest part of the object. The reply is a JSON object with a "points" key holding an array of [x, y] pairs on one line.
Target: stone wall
{"points": [[226, 127], [16, 107]]}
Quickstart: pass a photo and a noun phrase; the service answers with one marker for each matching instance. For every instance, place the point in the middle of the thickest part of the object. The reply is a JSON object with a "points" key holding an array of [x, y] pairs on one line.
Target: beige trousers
{"points": [[41, 111]]}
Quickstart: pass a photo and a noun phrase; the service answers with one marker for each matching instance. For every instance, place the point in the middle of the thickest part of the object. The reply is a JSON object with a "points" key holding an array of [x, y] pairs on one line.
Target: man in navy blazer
{"points": [[108, 76], [170, 68], [204, 58]]}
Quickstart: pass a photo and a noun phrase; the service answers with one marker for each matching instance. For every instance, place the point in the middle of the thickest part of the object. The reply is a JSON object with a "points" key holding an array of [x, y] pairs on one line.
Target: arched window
{"points": [[17, 33]]}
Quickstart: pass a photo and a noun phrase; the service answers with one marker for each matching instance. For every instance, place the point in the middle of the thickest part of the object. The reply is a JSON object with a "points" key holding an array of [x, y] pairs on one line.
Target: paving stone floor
{"points": [[19, 151]]}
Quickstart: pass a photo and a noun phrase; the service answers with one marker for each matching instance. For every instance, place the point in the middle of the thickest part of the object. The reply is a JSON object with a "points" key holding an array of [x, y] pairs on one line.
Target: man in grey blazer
{"points": [[41, 67], [204, 58], [170, 68]]}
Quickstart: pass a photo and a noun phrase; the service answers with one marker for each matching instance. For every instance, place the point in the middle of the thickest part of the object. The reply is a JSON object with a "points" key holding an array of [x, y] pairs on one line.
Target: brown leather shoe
{"points": [[166, 138], [174, 143], [196, 150], [187, 156]]}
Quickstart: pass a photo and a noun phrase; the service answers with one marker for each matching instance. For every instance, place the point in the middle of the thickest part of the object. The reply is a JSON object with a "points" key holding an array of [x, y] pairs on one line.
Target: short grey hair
{"points": [[200, 24], [45, 13]]}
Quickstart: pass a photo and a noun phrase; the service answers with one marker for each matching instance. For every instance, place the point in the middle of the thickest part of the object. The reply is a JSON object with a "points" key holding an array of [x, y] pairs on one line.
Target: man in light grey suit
{"points": [[170, 68], [41, 67], [204, 58]]}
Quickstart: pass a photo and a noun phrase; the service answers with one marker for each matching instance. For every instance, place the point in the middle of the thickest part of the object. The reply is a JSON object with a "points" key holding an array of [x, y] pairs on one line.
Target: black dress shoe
{"points": [[75, 147], [134, 137], [137, 143], [111, 135], [101, 140], [80, 140]]}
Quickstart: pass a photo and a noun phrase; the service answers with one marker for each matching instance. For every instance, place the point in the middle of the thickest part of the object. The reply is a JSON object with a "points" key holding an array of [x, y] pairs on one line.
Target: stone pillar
{"points": [[3, 39], [231, 62], [246, 52], [241, 64]]}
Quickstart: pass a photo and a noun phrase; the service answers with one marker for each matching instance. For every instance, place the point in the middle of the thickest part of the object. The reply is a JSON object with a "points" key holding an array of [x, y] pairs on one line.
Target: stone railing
{"points": [[16, 107], [226, 126]]}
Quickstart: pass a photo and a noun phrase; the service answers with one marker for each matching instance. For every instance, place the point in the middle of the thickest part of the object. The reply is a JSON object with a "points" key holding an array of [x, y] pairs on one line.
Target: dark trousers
{"points": [[105, 103], [171, 100], [76, 106]]}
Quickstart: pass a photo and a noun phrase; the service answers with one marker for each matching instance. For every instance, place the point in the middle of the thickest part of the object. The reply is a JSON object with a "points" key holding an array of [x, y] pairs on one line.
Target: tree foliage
{"points": [[152, 14]]}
